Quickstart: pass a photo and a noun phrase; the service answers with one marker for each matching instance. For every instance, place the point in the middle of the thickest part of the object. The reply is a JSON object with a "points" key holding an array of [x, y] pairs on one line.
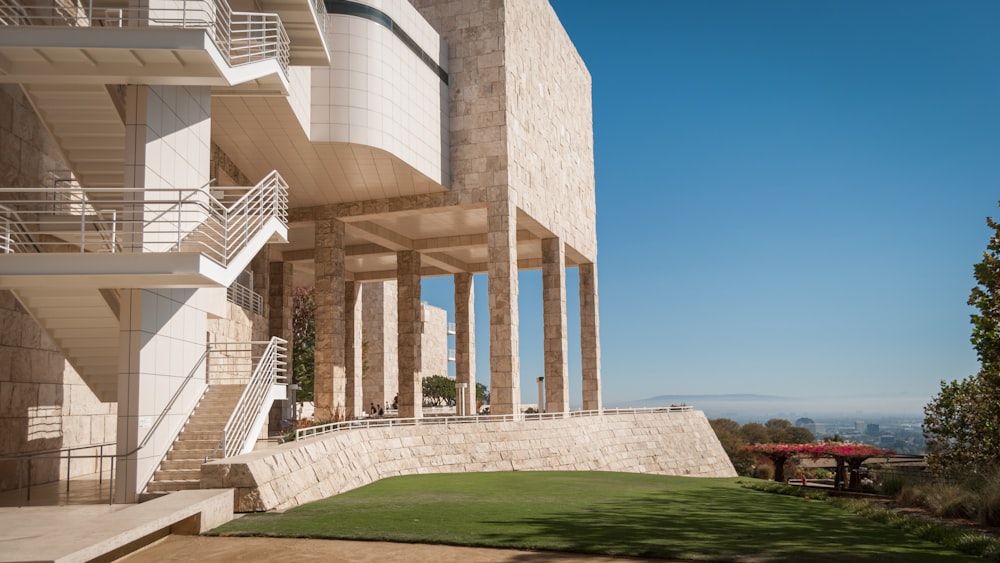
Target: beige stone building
{"points": [[170, 170]]}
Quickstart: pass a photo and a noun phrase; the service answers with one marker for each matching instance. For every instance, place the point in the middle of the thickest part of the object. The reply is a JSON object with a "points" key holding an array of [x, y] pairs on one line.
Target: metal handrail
{"points": [[141, 220], [267, 372], [242, 37], [246, 298], [26, 460], [473, 419]]}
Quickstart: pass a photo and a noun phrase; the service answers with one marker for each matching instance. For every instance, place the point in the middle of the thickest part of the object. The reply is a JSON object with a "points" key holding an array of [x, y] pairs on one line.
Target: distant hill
{"points": [[749, 397]]}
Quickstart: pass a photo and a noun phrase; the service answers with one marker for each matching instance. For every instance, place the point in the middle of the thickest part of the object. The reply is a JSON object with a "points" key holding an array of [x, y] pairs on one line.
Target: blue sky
{"points": [[791, 196]]}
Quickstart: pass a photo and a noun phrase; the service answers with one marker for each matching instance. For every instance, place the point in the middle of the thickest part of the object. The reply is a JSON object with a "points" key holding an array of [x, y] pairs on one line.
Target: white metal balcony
{"points": [[110, 232], [181, 42]]}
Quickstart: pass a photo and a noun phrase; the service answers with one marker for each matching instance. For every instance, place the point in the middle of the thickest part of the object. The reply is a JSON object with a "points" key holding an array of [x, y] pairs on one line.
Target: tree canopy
{"points": [[303, 341], [962, 422]]}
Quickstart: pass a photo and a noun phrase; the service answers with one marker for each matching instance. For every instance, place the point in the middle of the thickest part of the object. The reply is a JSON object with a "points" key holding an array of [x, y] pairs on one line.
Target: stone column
{"points": [[330, 377], [278, 286], [505, 363], [410, 333], [352, 349], [279, 301], [554, 315], [465, 343], [590, 339]]}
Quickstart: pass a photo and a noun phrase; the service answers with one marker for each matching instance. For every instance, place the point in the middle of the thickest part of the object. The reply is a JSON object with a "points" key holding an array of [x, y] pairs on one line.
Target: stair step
{"points": [[201, 435], [195, 444], [197, 456], [165, 486], [182, 464], [177, 475]]}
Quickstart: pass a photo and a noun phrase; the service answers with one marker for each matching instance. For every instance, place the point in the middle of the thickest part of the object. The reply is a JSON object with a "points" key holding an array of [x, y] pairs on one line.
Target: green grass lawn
{"points": [[597, 512]]}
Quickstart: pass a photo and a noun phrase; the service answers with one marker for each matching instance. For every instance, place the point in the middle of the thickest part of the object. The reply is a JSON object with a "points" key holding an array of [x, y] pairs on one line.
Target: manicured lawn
{"points": [[597, 512]]}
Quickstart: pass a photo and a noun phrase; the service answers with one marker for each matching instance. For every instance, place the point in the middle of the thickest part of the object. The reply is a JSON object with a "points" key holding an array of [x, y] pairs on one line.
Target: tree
{"points": [[482, 394], [961, 423], [728, 432], [961, 427], [755, 433], [304, 341], [438, 389]]}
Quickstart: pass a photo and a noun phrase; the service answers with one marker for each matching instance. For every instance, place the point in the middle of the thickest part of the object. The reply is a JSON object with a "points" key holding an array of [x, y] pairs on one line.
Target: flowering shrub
{"points": [[845, 453]]}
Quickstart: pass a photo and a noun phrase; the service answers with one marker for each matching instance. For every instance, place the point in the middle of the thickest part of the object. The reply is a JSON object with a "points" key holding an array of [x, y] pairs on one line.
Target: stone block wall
{"points": [[434, 345], [549, 124], [659, 443], [44, 404]]}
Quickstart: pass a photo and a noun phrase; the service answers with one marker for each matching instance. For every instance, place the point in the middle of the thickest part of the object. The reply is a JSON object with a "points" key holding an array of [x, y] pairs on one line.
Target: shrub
{"points": [[952, 501], [893, 485], [764, 471]]}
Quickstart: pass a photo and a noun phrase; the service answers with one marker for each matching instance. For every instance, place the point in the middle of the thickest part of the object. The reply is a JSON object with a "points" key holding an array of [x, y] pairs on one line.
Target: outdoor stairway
{"points": [[86, 124], [83, 323], [181, 469]]}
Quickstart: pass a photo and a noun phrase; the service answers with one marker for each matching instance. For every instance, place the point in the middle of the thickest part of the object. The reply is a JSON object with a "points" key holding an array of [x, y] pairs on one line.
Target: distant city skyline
{"points": [[791, 196]]}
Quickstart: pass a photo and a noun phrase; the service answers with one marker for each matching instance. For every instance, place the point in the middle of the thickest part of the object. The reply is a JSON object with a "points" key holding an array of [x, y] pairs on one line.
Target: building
{"points": [[154, 153]]}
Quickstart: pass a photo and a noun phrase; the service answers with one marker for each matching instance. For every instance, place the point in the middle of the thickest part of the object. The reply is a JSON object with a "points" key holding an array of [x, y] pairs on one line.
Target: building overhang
{"points": [[149, 55]]}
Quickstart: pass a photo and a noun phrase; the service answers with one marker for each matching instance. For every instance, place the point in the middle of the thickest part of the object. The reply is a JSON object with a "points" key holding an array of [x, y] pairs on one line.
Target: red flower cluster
{"points": [[836, 450]]}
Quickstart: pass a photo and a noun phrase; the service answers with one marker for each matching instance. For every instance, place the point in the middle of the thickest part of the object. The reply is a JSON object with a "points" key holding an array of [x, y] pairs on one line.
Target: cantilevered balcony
{"points": [[138, 238], [174, 42]]}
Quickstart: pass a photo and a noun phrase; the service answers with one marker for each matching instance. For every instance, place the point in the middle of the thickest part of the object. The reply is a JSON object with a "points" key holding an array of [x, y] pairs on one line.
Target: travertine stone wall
{"points": [[465, 342], [590, 340], [554, 318], [379, 326], [44, 404], [301, 472], [549, 124], [330, 380], [352, 349], [434, 341], [410, 314], [521, 112]]}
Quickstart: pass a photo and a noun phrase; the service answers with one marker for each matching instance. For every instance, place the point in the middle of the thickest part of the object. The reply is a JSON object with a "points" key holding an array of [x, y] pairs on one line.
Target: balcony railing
{"points": [[242, 37], [475, 419], [140, 220]]}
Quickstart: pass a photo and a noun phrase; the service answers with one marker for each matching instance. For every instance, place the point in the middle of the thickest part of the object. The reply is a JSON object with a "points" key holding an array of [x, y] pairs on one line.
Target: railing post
{"points": [[179, 199], [69, 460], [83, 224]]}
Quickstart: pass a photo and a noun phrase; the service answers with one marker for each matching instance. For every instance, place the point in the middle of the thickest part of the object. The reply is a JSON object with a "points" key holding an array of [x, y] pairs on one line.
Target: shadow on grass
{"points": [[682, 524]]}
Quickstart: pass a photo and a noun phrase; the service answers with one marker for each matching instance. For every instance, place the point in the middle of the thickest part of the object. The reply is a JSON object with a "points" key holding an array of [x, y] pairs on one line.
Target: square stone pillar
{"points": [[279, 301], [465, 345], [505, 363], [411, 393], [352, 349], [330, 376], [590, 339], [554, 316]]}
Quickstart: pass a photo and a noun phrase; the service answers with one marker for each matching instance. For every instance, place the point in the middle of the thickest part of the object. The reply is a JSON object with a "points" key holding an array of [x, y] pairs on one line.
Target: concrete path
{"points": [[197, 548]]}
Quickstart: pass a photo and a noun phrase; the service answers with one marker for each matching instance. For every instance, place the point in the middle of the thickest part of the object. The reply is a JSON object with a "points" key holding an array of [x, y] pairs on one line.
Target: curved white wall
{"points": [[378, 92]]}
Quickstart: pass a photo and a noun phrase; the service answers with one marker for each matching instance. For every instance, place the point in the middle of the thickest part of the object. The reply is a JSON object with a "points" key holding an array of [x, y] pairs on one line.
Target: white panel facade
{"points": [[378, 92]]}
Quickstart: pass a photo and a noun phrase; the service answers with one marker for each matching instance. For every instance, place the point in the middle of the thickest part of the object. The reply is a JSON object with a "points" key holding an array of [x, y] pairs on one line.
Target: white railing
{"points": [[270, 365], [472, 419], [141, 220], [242, 37], [242, 296]]}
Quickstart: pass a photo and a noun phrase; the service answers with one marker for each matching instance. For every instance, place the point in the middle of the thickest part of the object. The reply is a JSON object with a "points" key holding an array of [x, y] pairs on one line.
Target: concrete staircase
{"points": [[88, 127], [83, 323], [181, 469]]}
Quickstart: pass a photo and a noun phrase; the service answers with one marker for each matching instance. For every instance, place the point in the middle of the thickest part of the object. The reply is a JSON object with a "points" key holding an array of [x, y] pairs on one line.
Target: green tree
{"points": [[304, 341], [728, 432], [438, 389], [755, 433], [961, 423], [482, 394]]}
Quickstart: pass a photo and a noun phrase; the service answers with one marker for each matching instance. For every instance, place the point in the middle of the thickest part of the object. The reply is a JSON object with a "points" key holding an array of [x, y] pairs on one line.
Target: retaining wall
{"points": [[677, 443]]}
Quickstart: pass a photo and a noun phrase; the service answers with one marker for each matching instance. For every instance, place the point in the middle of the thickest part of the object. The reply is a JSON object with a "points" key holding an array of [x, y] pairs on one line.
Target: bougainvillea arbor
{"points": [[844, 453]]}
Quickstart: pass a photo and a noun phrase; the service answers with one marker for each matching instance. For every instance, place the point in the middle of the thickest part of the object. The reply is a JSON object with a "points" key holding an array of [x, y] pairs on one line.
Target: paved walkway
{"points": [[197, 548]]}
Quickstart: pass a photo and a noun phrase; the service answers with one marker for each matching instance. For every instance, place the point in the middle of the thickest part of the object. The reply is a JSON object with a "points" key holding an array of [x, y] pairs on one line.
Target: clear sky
{"points": [[790, 194]]}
